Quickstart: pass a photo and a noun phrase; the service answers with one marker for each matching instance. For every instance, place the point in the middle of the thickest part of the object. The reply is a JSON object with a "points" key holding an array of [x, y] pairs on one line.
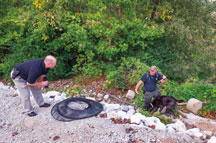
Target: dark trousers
{"points": [[148, 97]]}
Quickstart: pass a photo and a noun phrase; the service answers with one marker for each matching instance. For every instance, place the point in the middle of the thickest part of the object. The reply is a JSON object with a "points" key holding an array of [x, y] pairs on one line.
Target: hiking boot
{"points": [[31, 114], [45, 105]]}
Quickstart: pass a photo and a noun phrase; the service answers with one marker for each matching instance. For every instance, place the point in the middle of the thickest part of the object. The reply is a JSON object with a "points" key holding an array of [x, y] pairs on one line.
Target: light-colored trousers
{"points": [[24, 92]]}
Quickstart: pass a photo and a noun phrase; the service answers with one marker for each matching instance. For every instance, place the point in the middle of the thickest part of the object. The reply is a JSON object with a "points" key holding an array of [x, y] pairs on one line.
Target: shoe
{"points": [[32, 114], [45, 105]]}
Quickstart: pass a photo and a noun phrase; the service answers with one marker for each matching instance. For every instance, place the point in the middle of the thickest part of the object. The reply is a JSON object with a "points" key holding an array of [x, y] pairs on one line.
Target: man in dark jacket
{"points": [[150, 90], [28, 76]]}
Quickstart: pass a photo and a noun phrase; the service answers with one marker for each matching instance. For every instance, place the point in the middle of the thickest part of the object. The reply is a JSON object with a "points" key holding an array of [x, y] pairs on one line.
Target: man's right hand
{"points": [[137, 86], [44, 83]]}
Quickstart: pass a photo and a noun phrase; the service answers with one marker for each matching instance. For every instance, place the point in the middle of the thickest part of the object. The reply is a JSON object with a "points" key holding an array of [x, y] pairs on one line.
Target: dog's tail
{"points": [[180, 100]]}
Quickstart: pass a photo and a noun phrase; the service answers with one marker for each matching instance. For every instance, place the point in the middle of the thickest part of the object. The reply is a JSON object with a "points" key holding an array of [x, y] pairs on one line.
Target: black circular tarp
{"points": [[63, 112]]}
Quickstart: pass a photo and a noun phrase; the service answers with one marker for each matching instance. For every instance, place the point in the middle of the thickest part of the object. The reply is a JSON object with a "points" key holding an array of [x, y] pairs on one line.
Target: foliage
{"points": [[117, 38], [128, 73], [188, 46], [139, 100], [163, 118], [85, 39], [194, 89], [145, 113]]}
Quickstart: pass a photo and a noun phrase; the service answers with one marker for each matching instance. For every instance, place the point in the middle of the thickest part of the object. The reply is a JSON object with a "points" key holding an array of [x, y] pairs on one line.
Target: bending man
{"points": [[28, 76]]}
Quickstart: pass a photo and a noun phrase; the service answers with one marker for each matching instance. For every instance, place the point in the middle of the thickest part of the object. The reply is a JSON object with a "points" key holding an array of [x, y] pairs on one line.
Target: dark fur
{"points": [[164, 101]]}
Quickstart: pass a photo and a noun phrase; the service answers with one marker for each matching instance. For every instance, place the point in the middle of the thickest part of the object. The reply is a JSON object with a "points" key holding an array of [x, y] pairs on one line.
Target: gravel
{"points": [[17, 127]]}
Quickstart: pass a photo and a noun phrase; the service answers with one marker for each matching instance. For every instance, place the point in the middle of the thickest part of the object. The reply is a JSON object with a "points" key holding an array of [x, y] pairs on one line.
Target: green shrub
{"points": [[127, 74], [200, 91]]}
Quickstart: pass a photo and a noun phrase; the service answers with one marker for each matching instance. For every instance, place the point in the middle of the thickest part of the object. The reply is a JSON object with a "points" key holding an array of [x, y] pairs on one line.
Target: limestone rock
{"points": [[130, 94], [194, 105]]}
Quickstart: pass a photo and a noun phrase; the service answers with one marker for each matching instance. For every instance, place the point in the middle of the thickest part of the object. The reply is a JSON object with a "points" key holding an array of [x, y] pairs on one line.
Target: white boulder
{"points": [[130, 94]]}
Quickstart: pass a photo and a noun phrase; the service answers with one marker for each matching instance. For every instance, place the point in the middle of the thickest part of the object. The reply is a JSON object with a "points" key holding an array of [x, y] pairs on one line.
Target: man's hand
{"points": [[137, 86], [136, 90], [163, 80], [44, 83]]}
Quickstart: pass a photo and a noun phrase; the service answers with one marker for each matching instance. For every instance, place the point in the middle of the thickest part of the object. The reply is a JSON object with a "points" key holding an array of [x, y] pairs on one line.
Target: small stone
{"points": [[103, 115], [15, 95], [116, 120], [91, 126], [14, 133], [126, 121], [152, 126], [106, 98], [55, 138], [128, 130]]}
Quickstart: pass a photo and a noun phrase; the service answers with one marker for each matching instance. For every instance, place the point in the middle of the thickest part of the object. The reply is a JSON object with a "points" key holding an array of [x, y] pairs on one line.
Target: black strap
{"points": [[15, 73]]}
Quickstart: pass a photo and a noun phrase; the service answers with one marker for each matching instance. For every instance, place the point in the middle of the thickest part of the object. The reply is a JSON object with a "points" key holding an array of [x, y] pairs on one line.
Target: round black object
{"points": [[57, 116], [62, 112]]}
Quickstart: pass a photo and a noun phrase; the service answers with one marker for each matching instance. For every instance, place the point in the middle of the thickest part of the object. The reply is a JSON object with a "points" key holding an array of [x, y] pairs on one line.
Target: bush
{"points": [[127, 74], [194, 89]]}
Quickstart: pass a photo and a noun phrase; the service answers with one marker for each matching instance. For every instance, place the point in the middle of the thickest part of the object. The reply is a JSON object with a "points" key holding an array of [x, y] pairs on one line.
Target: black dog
{"points": [[165, 104]]}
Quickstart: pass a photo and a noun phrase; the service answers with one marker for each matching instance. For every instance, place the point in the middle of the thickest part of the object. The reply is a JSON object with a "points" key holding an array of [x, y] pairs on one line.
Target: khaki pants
{"points": [[148, 97], [24, 92]]}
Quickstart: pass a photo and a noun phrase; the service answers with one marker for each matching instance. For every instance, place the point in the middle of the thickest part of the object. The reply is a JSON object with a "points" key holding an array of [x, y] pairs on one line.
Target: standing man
{"points": [[150, 90], [28, 76]]}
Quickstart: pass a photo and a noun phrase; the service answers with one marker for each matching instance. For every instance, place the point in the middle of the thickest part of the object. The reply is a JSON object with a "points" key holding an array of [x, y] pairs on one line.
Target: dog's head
{"points": [[154, 104]]}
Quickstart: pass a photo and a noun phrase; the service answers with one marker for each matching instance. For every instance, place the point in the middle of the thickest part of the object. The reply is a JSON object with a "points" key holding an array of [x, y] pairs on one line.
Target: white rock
{"points": [[58, 98], [111, 107], [130, 112], [179, 126], [63, 94], [121, 114], [208, 133], [195, 132], [160, 126], [135, 120], [139, 115], [194, 105], [130, 107], [53, 93], [130, 94], [100, 95], [126, 116], [149, 121], [170, 130], [212, 139], [106, 97], [112, 114], [124, 108]]}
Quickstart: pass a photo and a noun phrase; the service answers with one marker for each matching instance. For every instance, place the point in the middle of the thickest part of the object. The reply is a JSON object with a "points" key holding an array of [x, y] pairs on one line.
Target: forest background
{"points": [[117, 39]]}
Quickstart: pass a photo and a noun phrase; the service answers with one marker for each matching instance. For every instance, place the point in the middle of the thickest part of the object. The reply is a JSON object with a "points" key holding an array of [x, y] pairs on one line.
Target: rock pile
{"points": [[127, 114]]}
